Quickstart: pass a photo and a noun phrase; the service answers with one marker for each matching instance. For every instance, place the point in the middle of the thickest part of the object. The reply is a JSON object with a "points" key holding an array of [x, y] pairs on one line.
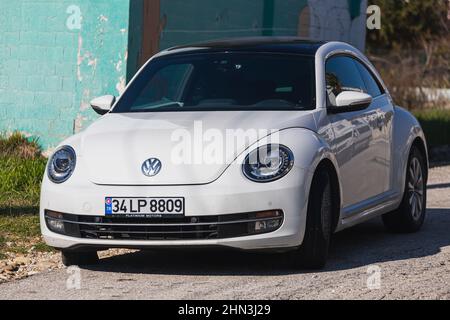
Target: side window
{"points": [[342, 74], [373, 88]]}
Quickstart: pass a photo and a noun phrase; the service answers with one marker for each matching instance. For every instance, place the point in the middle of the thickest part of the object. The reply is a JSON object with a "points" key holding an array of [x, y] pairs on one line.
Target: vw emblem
{"points": [[151, 167]]}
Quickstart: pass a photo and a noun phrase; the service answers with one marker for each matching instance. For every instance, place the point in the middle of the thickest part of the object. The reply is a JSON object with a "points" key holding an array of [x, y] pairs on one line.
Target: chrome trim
{"points": [[164, 224], [369, 204], [147, 232]]}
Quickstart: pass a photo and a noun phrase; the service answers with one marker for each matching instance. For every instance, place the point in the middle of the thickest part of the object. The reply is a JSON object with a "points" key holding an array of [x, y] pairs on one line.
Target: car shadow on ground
{"points": [[362, 245]]}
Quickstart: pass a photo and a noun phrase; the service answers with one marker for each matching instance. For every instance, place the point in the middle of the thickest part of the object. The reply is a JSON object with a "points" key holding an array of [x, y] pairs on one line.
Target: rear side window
{"points": [[342, 74], [373, 88]]}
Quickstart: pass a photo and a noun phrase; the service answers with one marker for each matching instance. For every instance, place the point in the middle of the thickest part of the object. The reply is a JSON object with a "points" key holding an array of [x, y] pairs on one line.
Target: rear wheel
{"points": [[313, 252], [72, 258], [410, 215]]}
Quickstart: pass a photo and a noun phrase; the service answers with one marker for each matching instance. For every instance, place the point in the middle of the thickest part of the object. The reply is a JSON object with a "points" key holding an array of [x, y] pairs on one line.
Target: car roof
{"points": [[253, 44]]}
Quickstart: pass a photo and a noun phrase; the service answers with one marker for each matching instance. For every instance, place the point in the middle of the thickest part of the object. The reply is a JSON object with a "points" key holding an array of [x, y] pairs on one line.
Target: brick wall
{"points": [[54, 57]]}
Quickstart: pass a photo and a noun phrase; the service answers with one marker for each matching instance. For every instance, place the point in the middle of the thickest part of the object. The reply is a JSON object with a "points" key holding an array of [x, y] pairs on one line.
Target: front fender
{"points": [[309, 150]]}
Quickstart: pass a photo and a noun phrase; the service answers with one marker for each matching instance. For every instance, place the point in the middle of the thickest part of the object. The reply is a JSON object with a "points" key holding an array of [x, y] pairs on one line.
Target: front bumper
{"points": [[226, 196]]}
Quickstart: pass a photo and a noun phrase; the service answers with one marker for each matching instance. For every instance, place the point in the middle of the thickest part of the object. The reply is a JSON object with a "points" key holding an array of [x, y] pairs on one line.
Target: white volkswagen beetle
{"points": [[261, 143]]}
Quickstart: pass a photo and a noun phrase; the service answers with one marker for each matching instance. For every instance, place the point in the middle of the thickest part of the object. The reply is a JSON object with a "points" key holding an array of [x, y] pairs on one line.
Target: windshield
{"points": [[222, 81]]}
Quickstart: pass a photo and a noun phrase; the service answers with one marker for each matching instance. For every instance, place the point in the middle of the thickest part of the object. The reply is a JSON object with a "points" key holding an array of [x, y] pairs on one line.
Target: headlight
{"points": [[61, 164], [268, 163]]}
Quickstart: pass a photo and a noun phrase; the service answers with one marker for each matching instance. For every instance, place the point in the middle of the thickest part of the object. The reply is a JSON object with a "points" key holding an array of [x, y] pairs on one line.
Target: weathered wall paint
{"points": [[189, 21], [343, 20], [134, 37], [55, 55]]}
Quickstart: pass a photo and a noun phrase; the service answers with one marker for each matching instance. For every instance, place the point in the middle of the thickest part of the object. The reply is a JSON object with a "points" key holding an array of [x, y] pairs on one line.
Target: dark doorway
{"points": [[144, 32]]}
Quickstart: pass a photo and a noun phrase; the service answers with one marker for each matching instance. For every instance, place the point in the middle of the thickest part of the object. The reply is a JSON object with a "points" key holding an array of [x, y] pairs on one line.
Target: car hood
{"points": [[114, 148]]}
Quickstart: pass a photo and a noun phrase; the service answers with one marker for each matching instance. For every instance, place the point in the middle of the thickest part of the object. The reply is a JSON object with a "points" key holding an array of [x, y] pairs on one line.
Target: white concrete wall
{"points": [[330, 20]]}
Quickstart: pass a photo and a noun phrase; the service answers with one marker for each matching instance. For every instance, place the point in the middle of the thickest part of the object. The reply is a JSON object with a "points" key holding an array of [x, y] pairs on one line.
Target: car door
{"points": [[357, 146], [381, 122]]}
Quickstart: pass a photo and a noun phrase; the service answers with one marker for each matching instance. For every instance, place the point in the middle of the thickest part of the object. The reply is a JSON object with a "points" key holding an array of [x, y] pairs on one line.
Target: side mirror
{"points": [[103, 104], [347, 101]]}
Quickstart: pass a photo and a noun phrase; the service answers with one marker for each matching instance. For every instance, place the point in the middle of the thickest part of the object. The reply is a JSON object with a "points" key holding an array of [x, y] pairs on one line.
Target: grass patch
{"points": [[19, 226], [21, 169], [20, 181], [436, 126], [17, 145], [42, 247], [2, 241], [22, 232]]}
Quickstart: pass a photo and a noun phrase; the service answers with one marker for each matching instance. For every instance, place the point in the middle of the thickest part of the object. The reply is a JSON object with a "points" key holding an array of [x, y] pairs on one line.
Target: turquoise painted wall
{"points": [[56, 55], [185, 22], [286, 17], [190, 21]]}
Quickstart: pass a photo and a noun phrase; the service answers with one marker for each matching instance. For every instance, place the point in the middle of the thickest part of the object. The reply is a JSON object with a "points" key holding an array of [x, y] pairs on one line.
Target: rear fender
{"points": [[406, 129]]}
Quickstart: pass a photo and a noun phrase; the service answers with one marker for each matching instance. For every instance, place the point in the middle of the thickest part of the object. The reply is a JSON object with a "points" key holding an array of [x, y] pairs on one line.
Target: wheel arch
{"points": [[313, 153], [328, 165], [420, 144], [407, 133]]}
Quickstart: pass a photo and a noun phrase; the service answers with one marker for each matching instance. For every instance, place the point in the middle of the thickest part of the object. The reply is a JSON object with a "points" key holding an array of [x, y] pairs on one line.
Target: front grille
{"points": [[172, 228]]}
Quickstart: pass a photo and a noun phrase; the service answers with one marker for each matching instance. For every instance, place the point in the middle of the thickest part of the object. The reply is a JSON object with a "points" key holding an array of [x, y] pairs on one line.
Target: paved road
{"points": [[412, 266]]}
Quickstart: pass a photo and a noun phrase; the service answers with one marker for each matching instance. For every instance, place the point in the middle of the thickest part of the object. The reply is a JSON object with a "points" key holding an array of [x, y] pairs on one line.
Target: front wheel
{"points": [[313, 252], [410, 215]]}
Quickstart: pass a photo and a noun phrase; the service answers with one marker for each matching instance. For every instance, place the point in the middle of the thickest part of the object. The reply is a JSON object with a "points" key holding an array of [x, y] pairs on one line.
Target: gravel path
{"points": [[365, 263]]}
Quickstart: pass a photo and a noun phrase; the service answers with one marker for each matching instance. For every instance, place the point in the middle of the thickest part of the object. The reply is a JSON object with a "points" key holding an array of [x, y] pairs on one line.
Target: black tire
{"points": [[75, 258], [313, 252], [410, 215]]}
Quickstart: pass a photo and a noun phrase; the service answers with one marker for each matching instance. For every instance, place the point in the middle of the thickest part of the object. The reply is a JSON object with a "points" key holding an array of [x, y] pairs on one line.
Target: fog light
{"points": [[55, 225], [261, 226], [55, 221], [270, 221]]}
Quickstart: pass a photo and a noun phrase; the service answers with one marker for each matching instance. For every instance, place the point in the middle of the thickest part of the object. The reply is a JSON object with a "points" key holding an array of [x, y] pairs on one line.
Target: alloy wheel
{"points": [[415, 188]]}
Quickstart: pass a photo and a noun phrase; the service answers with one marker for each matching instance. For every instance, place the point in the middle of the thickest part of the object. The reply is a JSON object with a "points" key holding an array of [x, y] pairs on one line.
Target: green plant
{"points": [[2, 241], [21, 178], [22, 232], [21, 169], [21, 226], [17, 145], [42, 247], [436, 125], [411, 50], [411, 74], [409, 24]]}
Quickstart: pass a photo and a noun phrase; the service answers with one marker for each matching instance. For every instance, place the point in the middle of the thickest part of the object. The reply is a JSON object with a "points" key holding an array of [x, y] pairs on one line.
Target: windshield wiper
{"points": [[156, 106]]}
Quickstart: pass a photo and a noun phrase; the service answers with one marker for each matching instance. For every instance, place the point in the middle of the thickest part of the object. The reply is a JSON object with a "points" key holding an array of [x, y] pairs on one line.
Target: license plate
{"points": [[142, 207]]}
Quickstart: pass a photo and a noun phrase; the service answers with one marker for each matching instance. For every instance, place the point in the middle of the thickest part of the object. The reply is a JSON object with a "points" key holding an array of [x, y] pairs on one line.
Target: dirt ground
{"points": [[365, 263]]}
